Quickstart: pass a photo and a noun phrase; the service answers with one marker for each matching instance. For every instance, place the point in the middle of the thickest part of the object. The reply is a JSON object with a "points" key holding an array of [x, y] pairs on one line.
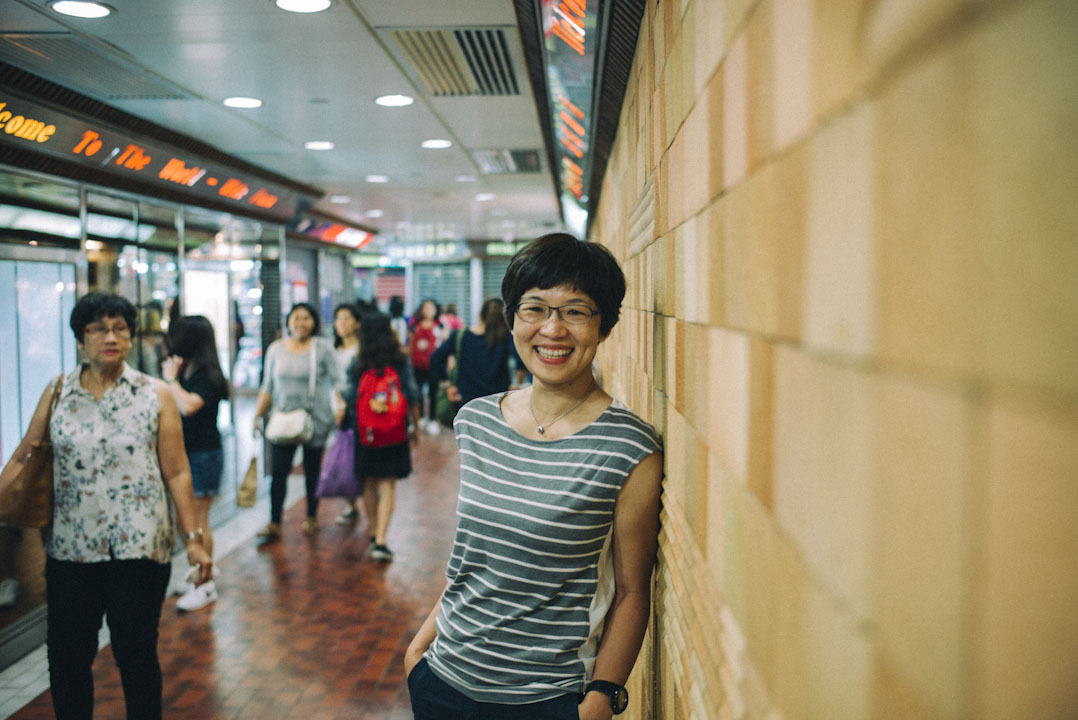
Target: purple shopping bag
{"points": [[338, 476]]}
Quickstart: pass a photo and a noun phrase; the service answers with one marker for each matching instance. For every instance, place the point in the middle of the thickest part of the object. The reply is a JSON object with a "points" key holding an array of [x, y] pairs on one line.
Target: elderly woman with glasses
{"points": [[548, 581], [118, 457]]}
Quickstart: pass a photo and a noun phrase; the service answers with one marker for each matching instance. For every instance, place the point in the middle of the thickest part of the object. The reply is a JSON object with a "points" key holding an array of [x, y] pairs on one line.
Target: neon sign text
{"points": [[568, 23], [24, 127]]}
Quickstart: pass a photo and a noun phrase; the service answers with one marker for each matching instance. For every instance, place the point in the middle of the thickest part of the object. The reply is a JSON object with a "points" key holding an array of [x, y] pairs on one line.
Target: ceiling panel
{"points": [[317, 76]]}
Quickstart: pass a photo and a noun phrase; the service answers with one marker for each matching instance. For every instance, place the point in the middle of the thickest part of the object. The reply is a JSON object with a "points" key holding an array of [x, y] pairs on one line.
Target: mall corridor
{"points": [[305, 628]]}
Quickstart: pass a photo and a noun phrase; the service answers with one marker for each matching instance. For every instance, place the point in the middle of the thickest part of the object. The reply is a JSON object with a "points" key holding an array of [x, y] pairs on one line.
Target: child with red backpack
{"points": [[387, 407], [424, 335]]}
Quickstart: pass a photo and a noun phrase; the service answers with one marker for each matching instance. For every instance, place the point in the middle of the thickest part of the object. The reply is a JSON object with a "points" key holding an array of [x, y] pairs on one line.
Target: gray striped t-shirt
{"points": [[530, 575]]}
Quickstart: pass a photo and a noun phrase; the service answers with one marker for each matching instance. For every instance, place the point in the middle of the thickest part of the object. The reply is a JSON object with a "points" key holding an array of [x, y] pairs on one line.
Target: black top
{"points": [[200, 429], [483, 370]]}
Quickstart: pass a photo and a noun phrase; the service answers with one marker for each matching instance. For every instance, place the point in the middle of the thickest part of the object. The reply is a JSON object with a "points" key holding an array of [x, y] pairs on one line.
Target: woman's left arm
{"points": [[635, 542], [172, 458]]}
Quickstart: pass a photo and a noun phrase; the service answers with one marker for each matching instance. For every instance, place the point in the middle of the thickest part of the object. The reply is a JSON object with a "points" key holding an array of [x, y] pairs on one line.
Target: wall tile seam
{"points": [[924, 46]]}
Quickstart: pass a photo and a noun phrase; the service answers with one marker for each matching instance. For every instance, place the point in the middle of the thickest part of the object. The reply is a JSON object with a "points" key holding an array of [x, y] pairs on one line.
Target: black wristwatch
{"points": [[619, 696]]}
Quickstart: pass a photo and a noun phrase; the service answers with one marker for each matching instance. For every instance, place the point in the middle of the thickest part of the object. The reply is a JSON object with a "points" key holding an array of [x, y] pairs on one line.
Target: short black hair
{"points": [[561, 259], [97, 305], [309, 308]]}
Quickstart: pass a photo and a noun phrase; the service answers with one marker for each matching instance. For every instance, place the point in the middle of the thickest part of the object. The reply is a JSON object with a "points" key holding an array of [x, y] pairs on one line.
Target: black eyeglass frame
{"points": [[551, 309]]}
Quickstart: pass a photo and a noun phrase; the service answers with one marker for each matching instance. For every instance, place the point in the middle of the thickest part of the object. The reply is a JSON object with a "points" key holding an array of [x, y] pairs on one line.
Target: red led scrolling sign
{"points": [[36, 128]]}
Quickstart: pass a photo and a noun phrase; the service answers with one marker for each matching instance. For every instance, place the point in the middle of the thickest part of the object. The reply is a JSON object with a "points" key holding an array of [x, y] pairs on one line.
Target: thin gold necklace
{"points": [[540, 428]]}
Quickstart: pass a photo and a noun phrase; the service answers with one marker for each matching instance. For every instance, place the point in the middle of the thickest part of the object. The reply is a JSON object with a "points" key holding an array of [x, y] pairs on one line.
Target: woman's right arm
{"points": [[423, 639], [36, 432], [265, 399]]}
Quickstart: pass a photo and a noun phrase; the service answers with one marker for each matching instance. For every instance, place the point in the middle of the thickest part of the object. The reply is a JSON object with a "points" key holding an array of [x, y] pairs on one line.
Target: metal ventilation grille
{"points": [[466, 61], [501, 162], [67, 61]]}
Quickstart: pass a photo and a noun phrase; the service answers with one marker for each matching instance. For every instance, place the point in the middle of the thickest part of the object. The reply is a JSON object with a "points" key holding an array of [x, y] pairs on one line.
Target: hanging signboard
{"points": [[570, 38], [38, 128]]}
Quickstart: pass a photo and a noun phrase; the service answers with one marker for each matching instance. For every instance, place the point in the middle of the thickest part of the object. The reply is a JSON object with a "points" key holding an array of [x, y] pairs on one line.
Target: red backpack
{"points": [[423, 343], [381, 409]]}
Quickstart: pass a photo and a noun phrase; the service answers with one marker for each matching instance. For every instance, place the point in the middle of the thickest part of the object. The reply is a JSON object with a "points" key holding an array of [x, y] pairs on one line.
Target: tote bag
{"points": [[26, 499], [338, 475]]}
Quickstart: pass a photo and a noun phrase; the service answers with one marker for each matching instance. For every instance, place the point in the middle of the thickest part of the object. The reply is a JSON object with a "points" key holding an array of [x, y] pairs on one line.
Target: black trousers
{"points": [[281, 465], [129, 594]]}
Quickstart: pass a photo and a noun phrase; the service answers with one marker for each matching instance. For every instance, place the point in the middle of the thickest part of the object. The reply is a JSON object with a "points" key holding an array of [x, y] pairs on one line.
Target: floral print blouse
{"points": [[110, 497]]}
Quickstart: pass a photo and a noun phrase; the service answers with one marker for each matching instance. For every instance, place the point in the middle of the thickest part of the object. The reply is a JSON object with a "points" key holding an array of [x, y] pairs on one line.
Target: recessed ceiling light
{"points": [[318, 145], [374, 213], [484, 197], [377, 179], [466, 178], [303, 6], [242, 102], [339, 199], [82, 9], [394, 100], [436, 144]]}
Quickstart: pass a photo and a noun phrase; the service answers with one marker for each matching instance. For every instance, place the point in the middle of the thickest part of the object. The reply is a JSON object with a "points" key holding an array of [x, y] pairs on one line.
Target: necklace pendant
{"points": [[539, 428]]}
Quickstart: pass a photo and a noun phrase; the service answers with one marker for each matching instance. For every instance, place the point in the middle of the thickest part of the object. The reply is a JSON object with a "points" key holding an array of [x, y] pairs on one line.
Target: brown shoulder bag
{"points": [[26, 501]]}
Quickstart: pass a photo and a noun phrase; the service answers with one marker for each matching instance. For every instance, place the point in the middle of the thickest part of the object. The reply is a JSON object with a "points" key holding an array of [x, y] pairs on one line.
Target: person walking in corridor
{"points": [[384, 386], [300, 375], [487, 362], [548, 581], [424, 334], [194, 377], [346, 318], [119, 468]]}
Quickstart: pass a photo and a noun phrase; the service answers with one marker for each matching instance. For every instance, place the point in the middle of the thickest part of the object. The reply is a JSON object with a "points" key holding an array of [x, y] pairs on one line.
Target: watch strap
{"points": [[619, 696]]}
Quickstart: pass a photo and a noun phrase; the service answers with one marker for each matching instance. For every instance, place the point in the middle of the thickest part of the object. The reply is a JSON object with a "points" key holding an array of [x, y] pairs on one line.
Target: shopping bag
{"points": [[338, 475], [26, 498], [248, 490]]}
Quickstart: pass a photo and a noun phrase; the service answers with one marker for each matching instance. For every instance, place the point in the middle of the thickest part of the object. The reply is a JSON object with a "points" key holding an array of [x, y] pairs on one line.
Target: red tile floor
{"points": [[306, 627]]}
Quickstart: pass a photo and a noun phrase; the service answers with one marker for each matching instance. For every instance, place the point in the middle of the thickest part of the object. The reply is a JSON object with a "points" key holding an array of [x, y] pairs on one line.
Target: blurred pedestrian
{"points": [[397, 319], [346, 324], [488, 362], [382, 464], [549, 579], [423, 338], [300, 374], [449, 320], [193, 373]]}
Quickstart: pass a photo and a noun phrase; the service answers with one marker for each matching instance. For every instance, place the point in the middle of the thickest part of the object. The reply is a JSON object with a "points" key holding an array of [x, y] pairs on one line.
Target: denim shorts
{"points": [[206, 469], [434, 699]]}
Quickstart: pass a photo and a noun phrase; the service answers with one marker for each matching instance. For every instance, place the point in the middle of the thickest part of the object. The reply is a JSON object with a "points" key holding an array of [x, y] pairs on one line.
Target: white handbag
{"points": [[293, 427]]}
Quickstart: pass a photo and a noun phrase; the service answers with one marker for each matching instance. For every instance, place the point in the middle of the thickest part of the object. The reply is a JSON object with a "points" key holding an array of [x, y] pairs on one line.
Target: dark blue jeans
{"points": [[433, 699], [129, 594]]}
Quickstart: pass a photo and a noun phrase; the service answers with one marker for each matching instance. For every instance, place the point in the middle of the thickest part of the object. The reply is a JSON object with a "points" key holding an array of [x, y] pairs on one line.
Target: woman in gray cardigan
{"points": [[286, 386]]}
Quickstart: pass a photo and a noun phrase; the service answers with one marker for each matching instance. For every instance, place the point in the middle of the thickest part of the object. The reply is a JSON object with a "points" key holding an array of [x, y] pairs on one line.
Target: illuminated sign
{"points": [[334, 232], [89, 143], [569, 39]]}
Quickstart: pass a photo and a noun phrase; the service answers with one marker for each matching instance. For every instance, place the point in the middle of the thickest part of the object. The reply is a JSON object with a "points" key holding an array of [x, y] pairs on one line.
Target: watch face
{"points": [[619, 700]]}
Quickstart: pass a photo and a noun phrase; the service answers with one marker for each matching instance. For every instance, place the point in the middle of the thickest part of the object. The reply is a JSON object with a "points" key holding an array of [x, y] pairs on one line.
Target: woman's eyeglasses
{"points": [[101, 331], [533, 312]]}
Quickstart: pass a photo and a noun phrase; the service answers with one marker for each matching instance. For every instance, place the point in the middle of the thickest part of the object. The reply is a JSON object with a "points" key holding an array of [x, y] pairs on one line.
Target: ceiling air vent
{"points": [[466, 61], [502, 162], [67, 61]]}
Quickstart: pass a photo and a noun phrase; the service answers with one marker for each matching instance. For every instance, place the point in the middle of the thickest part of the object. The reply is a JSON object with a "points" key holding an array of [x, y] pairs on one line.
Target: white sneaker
{"points": [[9, 593], [198, 597], [183, 588], [350, 515], [433, 428]]}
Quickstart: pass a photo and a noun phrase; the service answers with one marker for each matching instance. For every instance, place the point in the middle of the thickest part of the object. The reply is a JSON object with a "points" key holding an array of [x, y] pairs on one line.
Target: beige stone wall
{"points": [[850, 229]]}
